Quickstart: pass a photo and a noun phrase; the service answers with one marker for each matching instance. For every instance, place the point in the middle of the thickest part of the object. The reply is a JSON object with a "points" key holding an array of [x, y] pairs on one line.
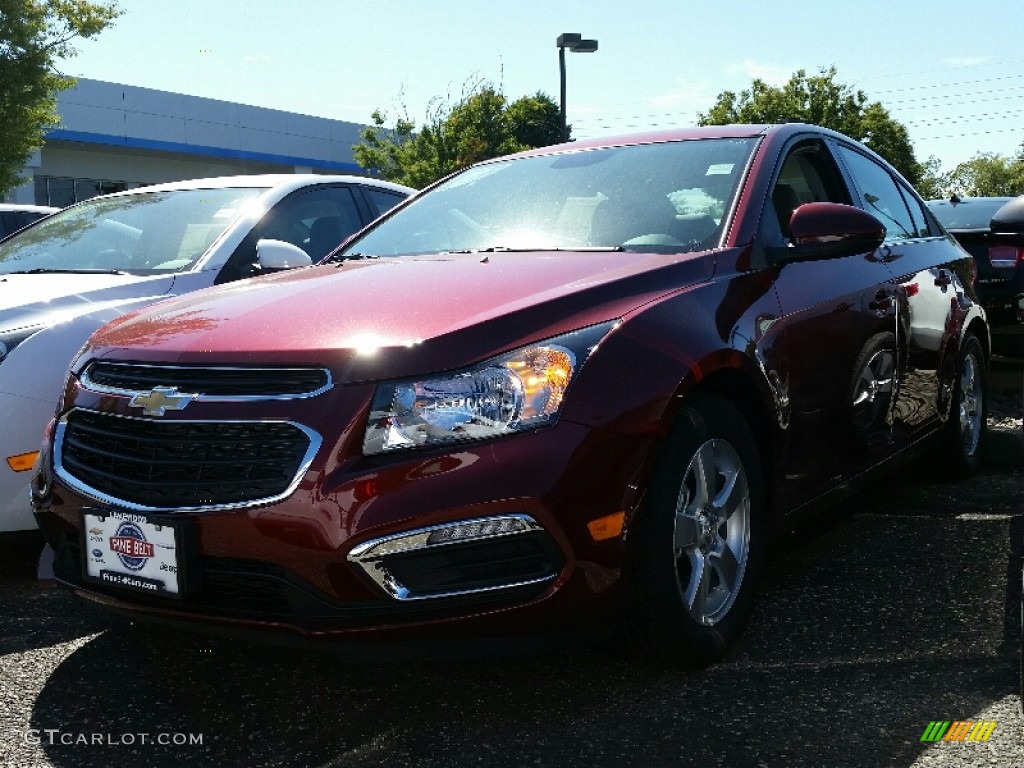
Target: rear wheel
{"points": [[695, 546], [968, 419]]}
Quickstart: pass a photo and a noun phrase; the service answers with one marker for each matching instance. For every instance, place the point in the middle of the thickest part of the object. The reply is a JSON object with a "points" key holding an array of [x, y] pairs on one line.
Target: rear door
{"points": [[929, 274]]}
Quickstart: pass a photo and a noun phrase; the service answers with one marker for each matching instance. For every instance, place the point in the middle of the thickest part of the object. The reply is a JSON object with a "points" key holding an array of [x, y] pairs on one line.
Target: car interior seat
{"points": [[619, 220], [324, 236], [785, 200]]}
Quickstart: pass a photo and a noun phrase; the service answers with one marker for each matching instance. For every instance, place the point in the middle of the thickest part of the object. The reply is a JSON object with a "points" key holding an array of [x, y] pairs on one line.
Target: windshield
{"points": [[668, 197], [143, 233], [969, 213]]}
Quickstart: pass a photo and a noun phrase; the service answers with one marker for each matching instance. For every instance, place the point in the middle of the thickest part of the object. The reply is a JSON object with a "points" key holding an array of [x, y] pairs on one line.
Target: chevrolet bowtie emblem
{"points": [[160, 400]]}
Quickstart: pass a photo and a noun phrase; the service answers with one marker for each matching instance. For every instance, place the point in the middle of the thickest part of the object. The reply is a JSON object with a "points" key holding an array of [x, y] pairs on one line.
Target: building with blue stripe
{"points": [[115, 137]]}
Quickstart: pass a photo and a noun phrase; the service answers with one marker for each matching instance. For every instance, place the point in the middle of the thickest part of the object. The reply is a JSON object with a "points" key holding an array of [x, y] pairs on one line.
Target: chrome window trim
{"points": [[92, 386], [369, 554], [315, 441]]}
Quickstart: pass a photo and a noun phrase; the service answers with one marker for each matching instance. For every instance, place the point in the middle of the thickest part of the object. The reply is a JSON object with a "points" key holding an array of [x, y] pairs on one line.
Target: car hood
{"points": [[40, 299], [398, 316]]}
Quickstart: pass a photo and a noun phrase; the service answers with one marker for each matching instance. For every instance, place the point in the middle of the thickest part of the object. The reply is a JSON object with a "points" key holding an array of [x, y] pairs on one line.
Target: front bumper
{"points": [[345, 554]]}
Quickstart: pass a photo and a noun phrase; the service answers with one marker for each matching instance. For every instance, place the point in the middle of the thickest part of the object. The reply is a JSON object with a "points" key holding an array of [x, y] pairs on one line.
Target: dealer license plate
{"points": [[127, 550]]}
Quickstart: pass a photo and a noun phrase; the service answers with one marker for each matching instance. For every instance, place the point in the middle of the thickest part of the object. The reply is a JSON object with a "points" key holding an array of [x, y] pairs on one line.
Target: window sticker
{"points": [[720, 169]]}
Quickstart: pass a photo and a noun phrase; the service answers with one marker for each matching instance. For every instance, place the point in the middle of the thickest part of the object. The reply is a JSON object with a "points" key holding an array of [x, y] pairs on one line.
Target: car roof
{"points": [[734, 131], [283, 182], [16, 207]]}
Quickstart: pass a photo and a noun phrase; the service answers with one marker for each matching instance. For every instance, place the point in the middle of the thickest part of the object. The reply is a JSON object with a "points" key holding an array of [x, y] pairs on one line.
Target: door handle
{"points": [[882, 303]]}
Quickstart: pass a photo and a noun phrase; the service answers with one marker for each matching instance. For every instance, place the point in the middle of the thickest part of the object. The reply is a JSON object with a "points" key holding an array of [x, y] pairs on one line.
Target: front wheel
{"points": [[695, 546]]}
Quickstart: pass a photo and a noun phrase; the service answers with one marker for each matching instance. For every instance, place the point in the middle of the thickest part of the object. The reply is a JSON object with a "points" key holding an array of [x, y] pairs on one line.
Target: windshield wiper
{"points": [[46, 271], [546, 249], [351, 257]]}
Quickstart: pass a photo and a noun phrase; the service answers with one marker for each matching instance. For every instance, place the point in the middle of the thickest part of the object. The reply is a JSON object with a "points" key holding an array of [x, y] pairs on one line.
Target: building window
{"points": [[61, 191]]}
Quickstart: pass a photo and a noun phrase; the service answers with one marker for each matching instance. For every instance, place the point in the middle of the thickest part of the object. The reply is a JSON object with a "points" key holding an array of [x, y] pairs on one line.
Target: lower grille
{"points": [[147, 464]]}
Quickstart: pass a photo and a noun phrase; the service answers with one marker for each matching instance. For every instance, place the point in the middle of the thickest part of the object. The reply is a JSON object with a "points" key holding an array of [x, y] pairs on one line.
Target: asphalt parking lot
{"points": [[901, 609]]}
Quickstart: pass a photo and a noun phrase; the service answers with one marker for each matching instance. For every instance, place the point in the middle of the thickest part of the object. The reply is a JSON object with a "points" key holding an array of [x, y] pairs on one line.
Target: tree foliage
{"points": [[987, 175], [821, 100], [932, 183], [33, 34], [480, 125]]}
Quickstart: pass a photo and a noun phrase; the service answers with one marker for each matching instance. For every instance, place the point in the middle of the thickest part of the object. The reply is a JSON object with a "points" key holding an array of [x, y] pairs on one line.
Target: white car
{"points": [[68, 274], [14, 217]]}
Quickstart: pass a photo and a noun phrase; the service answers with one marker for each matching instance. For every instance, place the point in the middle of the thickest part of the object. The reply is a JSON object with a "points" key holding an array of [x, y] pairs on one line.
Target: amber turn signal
{"points": [[607, 527], [22, 462]]}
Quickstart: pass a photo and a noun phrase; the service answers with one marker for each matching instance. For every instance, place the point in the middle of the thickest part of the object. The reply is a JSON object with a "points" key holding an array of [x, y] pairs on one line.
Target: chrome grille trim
{"points": [[68, 479], [89, 383]]}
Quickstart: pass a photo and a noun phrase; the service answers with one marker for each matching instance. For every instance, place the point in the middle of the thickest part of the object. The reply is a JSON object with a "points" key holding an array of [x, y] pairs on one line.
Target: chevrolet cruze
{"points": [[572, 389]]}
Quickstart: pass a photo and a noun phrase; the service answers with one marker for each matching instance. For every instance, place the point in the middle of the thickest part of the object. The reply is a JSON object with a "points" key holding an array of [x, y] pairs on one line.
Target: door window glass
{"points": [[316, 221], [808, 175], [880, 194]]}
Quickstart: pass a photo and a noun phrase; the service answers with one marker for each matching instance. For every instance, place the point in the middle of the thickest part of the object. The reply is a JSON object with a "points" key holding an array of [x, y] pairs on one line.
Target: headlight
{"points": [[10, 339], [517, 391]]}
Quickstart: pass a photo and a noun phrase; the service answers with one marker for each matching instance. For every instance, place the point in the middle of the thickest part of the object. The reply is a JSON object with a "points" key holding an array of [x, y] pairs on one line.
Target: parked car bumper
{"points": [[311, 565]]}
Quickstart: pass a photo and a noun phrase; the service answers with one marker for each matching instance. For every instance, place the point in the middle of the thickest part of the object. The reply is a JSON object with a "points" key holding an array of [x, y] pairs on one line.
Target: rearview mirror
{"points": [[275, 255], [829, 231]]}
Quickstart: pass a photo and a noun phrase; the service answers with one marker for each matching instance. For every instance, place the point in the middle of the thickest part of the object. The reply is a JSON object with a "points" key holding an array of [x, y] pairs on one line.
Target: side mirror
{"points": [[1008, 223], [276, 255], [830, 231]]}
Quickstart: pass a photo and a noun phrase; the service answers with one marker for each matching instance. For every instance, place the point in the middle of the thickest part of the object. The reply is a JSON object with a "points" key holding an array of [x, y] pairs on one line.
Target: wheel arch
{"points": [[741, 389]]}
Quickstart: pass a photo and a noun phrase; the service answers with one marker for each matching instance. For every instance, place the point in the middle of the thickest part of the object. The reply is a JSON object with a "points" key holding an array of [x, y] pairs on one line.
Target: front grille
{"points": [[147, 464], [208, 382]]}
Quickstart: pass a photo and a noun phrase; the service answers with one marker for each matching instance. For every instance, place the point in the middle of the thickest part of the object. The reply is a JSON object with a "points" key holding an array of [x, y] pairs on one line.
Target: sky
{"points": [[951, 72]]}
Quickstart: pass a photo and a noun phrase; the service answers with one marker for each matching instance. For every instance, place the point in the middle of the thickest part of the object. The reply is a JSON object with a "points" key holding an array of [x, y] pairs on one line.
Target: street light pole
{"points": [[575, 43]]}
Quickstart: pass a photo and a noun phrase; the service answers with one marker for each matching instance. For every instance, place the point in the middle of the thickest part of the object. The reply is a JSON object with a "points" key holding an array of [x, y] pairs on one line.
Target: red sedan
{"points": [[571, 389]]}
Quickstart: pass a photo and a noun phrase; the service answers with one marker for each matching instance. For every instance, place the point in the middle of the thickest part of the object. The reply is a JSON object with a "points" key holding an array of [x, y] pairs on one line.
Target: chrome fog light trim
{"points": [[369, 555]]}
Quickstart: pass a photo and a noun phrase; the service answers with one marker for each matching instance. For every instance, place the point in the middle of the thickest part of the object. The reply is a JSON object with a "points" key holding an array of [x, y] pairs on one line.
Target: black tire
{"points": [[674, 618], [873, 390], [967, 426]]}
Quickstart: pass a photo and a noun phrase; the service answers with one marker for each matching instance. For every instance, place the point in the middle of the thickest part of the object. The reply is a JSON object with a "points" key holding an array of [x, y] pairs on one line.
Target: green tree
{"points": [[481, 125], [534, 120], [821, 100], [988, 175], [33, 34], [933, 183]]}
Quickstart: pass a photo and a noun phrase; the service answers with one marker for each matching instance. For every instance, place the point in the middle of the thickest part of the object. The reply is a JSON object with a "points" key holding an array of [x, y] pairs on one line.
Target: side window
{"points": [[917, 211], [380, 201], [808, 175], [316, 221], [881, 196]]}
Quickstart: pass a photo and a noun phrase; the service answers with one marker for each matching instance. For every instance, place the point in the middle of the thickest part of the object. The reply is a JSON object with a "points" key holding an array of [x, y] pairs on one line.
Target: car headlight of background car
{"points": [[514, 392], [10, 339]]}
